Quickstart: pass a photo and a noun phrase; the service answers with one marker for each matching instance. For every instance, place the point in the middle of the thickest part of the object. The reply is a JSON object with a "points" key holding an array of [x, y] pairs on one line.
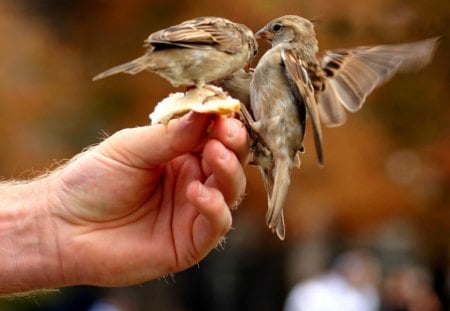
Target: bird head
{"points": [[287, 29], [249, 38]]}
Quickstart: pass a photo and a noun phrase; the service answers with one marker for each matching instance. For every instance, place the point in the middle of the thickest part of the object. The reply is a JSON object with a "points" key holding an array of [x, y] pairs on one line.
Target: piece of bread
{"points": [[202, 100]]}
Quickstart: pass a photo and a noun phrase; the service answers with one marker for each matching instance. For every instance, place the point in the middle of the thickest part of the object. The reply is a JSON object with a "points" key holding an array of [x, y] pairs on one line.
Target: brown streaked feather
{"points": [[275, 224], [298, 73], [280, 229], [351, 75], [332, 114], [277, 182], [200, 33], [133, 67]]}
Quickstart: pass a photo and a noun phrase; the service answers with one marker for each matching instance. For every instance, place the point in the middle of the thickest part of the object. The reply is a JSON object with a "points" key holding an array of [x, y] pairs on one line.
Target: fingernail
{"points": [[224, 153], [232, 129], [188, 118], [184, 122], [203, 193]]}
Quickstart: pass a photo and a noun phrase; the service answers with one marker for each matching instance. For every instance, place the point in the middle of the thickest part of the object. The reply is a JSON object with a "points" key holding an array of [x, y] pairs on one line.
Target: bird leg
{"points": [[218, 92], [258, 147]]}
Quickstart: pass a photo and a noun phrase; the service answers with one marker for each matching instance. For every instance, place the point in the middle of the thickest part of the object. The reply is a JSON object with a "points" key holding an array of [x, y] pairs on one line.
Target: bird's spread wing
{"points": [[351, 75], [202, 32], [299, 75]]}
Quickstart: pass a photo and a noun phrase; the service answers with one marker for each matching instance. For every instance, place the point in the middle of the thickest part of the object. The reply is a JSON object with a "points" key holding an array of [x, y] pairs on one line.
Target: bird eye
{"points": [[277, 27]]}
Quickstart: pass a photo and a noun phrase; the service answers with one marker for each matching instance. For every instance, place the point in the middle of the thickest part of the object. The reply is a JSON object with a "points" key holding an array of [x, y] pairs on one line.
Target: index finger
{"points": [[233, 135]]}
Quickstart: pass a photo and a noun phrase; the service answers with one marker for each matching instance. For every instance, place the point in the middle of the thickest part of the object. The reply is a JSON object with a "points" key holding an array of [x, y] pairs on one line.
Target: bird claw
{"points": [[217, 92]]}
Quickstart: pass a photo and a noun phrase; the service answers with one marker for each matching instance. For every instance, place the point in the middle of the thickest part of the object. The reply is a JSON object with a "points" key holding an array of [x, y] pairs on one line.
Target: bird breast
{"points": [[275, 106]]}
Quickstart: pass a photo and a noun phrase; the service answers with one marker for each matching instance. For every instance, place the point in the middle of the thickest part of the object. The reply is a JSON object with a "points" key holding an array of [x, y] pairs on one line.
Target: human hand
{"points": [[148, 201]]}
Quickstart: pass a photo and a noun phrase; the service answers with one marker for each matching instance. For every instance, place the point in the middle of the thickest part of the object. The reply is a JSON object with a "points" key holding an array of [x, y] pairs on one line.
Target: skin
{"points": [[144, 203]]}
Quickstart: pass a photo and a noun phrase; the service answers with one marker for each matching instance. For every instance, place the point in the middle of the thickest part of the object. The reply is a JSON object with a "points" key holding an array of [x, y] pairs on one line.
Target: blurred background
{"points": [[376, 217]]}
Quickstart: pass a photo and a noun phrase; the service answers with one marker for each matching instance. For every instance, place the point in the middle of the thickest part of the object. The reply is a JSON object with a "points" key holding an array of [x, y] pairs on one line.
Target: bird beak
{"points": [[247, 68], [263, 34]]}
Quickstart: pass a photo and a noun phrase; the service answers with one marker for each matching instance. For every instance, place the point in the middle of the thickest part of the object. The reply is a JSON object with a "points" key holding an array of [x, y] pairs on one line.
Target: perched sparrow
{"points": [[290, 84], [195, 52]]}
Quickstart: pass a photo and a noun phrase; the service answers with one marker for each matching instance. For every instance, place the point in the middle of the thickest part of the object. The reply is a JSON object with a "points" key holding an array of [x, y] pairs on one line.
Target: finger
{"points": [[214, 220], [231, 132], [227, 173], [149, 146]]}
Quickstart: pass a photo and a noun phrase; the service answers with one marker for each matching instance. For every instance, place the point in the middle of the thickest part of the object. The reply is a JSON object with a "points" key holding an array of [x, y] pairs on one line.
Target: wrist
{"points": [[28, 243]]}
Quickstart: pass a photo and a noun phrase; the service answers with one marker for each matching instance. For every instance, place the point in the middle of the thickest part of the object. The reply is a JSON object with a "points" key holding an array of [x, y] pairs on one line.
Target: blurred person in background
{"points": [[350, 285], [409, 288]]}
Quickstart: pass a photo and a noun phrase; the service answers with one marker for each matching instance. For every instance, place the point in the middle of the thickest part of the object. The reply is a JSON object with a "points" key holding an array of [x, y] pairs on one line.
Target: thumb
{"points": [[150, 146]]}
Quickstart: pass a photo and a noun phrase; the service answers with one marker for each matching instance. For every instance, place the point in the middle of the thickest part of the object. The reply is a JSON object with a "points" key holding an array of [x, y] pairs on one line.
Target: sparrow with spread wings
{"points": [[195, 52], [291, 84]]}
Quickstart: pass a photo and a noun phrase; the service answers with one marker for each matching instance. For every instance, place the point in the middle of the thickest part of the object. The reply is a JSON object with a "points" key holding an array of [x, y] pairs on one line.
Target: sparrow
{"points": [[195, 52], [291, 83]]}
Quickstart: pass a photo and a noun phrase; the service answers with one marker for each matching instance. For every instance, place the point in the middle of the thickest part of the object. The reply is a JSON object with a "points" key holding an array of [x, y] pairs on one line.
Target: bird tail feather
{"points": [[279, 189], [133, 67]]}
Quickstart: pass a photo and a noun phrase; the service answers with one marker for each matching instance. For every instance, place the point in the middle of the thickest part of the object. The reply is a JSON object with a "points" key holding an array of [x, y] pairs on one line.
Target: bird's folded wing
{"points": [[201, 33], [299, 75]]}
